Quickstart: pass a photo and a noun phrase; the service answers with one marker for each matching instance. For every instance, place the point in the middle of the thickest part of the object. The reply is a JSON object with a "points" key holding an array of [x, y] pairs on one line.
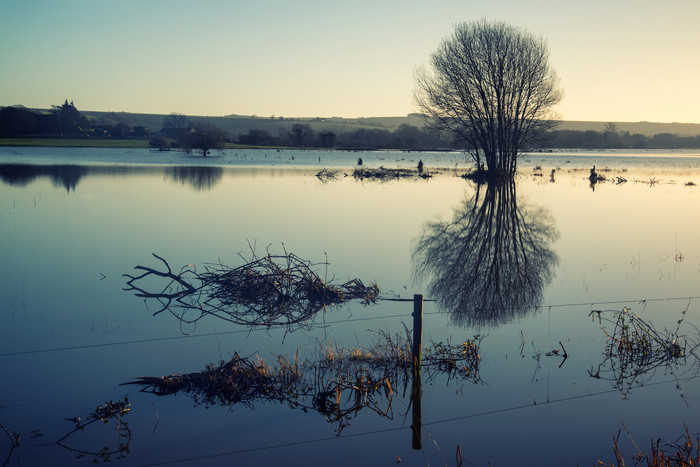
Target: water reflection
{"points": [[339, 384], [491, 262], [111, 413], [68, 176], [199, 178], [635, 350]]}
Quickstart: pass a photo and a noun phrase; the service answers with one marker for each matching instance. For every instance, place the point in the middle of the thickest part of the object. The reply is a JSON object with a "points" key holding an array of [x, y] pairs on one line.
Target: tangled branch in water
{"points": [[273, 290]]}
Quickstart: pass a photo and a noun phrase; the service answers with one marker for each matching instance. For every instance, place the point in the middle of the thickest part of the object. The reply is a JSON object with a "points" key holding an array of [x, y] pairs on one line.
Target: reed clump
{"points": [[684, 452], [338, 384], [383, 174], [239, 380]]}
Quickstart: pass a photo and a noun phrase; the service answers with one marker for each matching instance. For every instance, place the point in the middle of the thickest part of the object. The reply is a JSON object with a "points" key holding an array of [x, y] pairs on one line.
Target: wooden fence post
{"points": [[417, 332]]}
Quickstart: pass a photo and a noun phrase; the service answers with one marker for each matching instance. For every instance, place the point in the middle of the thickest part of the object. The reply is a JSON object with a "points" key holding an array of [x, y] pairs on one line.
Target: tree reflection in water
{"points": [[491, 262], [199, 178], [66, 176]]}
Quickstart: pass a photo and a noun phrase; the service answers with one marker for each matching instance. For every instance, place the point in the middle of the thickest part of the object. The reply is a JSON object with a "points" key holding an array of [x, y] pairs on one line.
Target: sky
{"points": [[617, 60]]}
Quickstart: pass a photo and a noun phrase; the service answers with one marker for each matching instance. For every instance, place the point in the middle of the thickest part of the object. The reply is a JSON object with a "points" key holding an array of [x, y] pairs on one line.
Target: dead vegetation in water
{"points": [[684, 451], [14, 437], [14, 440], [326, 175], [110, 412], [635, 349], [272, 290], [384, 174], [338, 384]]}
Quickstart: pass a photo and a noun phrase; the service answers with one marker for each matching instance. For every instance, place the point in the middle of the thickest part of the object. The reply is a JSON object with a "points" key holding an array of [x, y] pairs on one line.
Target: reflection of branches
{"points": [[66, 176], [274, 290], [492, 261], [199, 178], [326, 175], [14, 439], [111, 410], [635, 349], [339, 385]]}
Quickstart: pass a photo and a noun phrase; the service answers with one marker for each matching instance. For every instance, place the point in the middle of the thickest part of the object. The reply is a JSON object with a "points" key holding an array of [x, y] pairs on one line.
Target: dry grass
{"points": [[237, 381], [684, 452]]}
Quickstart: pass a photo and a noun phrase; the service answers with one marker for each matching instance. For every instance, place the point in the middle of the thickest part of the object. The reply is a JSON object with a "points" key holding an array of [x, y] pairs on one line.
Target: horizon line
{"points": [[275, 116]]}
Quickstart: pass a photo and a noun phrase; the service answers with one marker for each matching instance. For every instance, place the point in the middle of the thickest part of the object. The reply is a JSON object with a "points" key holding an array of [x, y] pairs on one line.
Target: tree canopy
{"points": [[491, 86], [203, 137]]}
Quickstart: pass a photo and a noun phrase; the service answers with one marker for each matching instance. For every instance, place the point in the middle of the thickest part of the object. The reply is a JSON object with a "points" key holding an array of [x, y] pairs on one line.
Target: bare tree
{"points": [[176, 120], [203, 137], [491, 86], [611, 128]]}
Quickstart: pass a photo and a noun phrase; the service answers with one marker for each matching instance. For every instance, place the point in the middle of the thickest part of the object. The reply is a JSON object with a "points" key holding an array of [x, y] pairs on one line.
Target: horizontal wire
{"points": [[368, 318]]}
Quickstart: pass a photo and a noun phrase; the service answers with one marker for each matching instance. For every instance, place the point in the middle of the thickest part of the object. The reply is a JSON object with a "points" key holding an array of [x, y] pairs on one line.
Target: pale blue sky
{"points": [[618, 60]]}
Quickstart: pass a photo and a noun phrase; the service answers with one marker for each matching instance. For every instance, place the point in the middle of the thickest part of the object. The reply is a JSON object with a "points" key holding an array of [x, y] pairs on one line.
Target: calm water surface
{"points": [[521, 265]]}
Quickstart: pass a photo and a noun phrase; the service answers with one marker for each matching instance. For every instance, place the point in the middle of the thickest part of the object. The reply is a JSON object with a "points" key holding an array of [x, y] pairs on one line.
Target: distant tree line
{"points": [[193, 134], [610, 138], [62, 121], [406, 137], [412, 138]]}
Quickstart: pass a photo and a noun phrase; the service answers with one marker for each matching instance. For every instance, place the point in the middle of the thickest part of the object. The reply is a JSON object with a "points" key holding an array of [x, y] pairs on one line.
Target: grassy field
{"points": [[75, 142], [104, 143]]}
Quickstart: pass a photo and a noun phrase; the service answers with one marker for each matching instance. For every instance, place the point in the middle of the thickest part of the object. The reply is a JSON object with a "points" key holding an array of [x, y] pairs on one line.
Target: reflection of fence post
{"points": [[416, 389]]}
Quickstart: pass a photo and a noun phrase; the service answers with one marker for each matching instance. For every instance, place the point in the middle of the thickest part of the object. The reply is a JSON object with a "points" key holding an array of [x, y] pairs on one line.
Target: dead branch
{"points": [[273, 290]]}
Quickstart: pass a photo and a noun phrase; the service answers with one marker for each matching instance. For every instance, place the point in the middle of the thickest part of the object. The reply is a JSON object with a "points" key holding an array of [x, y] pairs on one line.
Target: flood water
{"points": [[521, 265]]}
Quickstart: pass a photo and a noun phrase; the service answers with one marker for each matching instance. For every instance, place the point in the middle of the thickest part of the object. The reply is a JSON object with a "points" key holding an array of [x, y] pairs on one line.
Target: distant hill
{"points": [[235, 125], [644, 128], [240, 124]]}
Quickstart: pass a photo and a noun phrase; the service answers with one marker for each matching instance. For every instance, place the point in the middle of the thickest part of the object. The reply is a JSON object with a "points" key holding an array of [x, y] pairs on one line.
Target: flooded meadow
{"points": [[247, 308]]}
